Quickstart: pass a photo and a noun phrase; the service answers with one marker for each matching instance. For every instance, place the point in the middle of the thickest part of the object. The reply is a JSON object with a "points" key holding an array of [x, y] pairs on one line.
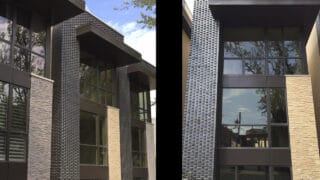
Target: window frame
{"points": [[142, 152]]}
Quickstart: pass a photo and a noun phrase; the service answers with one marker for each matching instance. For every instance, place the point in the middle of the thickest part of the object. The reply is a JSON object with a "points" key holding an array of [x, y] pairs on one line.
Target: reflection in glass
{"points": [[279, 136], [293, 49], [254, 67], [21, 58], [244, 136], [103, 131], [103, 156], [87, 128], [37, 64], [278, 112], [244, 106], [4, 93], [88, 154], [38, 42], [138, 147], [295, 66], [276, 66], [243, 49], [232, 67], [17, 148], [253, 173], [19, 109], [281, 173], [4, 53], [227, 173], [5, 28], [22, 36]]}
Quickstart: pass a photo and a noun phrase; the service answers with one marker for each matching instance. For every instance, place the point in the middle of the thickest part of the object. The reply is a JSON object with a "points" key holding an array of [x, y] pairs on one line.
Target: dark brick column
{"points": [[199, 124]]}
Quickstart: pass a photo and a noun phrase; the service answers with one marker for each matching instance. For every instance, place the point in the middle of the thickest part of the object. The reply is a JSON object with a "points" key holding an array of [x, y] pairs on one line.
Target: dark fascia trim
{"points": [[91, 29], [145, 68], [53, 11], [186, 22], [263, 2]]}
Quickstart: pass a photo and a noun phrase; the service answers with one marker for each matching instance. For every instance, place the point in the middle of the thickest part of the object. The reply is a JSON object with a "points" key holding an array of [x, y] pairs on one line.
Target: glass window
{"points": [[138, 148], [21, 59], [253, 173], [17, 147], [87, 128], [244, 136], [227, 173], [254, 67], [295, 66], [278, 111], [37, 64], [279, 136], [4, 95], [93, 139], [276, 66], [243, 49], [38, 42], [2, 147], [232, 66], [244, 106], [281, 173], [4, 53], [5, 23], [19, 109]]}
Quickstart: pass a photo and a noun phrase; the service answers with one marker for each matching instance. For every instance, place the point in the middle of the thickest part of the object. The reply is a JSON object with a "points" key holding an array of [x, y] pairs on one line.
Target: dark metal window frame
{"points": [[268, 124], [270, 170], [97, 139], [266, 58], [8, 131], [142, 147]]}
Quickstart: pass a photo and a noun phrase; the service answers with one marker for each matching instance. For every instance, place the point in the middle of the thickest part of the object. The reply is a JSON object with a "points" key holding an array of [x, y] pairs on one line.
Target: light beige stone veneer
{"points": [[114, 143], [302, 128]]}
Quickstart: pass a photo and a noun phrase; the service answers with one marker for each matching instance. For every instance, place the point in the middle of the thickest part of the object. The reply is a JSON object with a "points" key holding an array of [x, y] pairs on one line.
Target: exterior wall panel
{"points": [[40, 124], [302, 128], [151, 151], [114, 160], [199, 124]]}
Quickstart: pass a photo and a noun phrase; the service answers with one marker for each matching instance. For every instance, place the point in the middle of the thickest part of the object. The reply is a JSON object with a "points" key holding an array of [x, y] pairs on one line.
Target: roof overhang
{"points": [[186, 20], [265, 12], [146, 69], [105, 47], [54, 11]]}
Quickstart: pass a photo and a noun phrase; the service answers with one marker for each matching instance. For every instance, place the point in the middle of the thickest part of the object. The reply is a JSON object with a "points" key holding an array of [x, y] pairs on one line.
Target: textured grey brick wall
{"points": [[125, 123], [66, 103], [199, 124], [40, 123]]}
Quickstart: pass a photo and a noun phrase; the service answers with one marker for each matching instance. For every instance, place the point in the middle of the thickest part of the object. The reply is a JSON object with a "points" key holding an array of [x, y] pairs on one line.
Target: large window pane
{"points": [[244, 106], [4, 93], [276, 66], [253, 173], [103, 131], [279, 136], [232, 67], [254, 67], [21, 59], [4, 53], [227, 173], [19, 109], [38, 42], [2, 147], [17, 148], [87, 128], [281, 173], [37, 64], [244, 136], [278, 112], [295, 66], [5, 25], [88, 154], [103, 156], [244, 49]]}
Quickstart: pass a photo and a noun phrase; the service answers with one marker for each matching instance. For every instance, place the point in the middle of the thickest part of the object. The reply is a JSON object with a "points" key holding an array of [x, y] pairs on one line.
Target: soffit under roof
{"points": [[105, 47], [146, 69], [265, 12], [54, 11]]}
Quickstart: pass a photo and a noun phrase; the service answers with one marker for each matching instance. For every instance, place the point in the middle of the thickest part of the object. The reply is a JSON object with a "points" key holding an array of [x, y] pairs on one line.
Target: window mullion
{"points": [[269, 116], [9, 122]]}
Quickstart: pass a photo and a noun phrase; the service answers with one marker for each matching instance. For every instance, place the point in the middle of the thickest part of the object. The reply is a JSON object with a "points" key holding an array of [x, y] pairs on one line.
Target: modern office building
{"points": [[74, 98], [252, 93]]}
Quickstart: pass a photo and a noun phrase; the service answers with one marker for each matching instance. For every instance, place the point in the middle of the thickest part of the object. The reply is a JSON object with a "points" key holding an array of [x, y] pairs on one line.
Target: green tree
{"points": [[147, 20]]}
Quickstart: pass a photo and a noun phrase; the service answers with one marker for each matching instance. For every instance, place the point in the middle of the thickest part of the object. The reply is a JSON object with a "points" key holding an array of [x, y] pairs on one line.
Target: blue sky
{"points": [[124, 21]]}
